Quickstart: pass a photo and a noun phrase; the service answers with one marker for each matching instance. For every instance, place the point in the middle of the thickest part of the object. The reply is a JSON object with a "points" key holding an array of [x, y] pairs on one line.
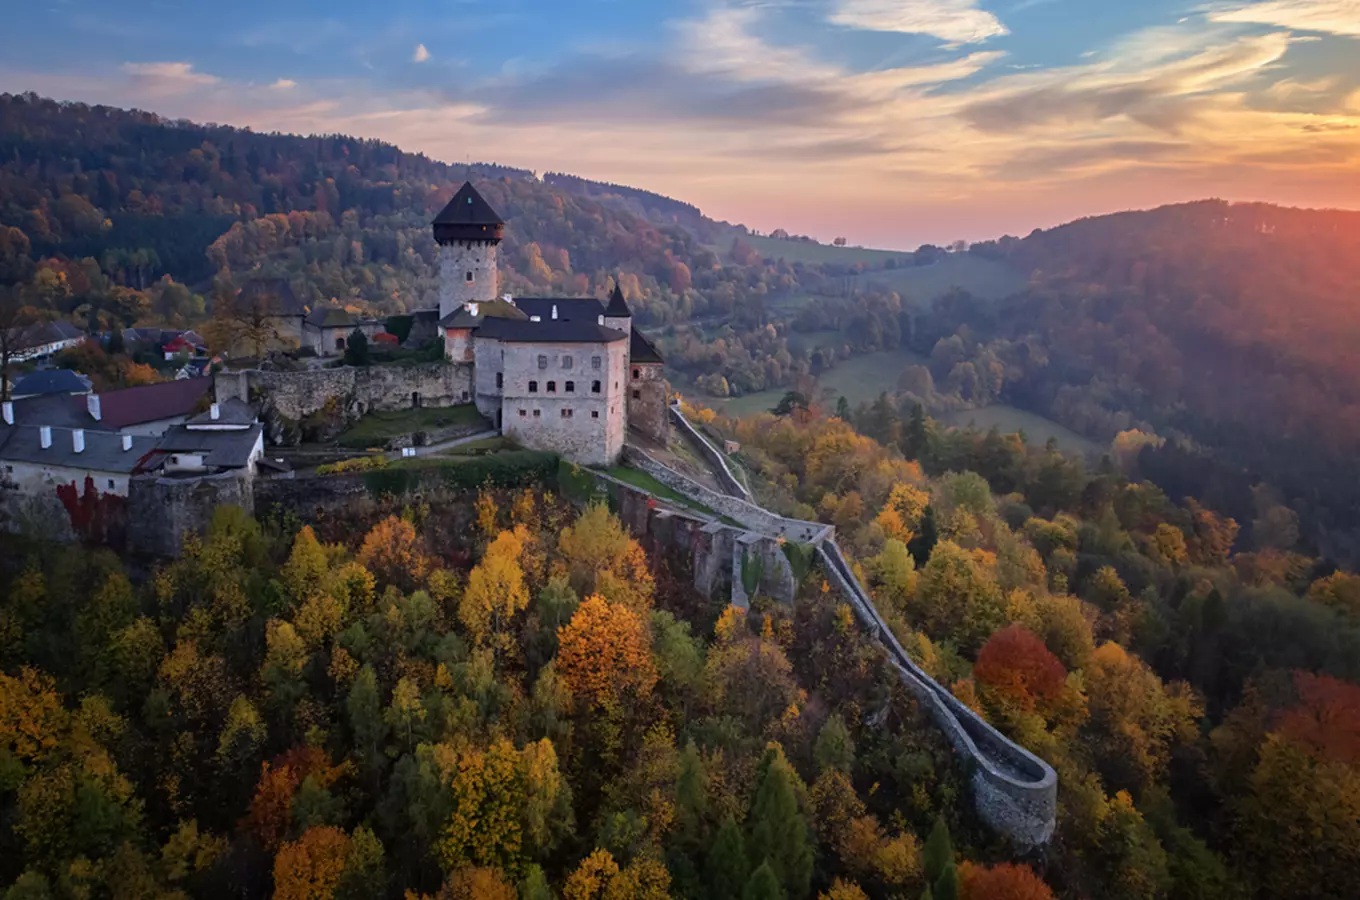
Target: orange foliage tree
{"points": [[604, 653], [1326, 721], [310, 867], [1002, 882], [1016, 665], [271, 809], [394, 553]]}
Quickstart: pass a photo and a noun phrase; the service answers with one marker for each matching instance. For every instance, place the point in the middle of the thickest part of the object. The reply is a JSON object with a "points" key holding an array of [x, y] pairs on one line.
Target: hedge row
{"points": [[512, 468]]}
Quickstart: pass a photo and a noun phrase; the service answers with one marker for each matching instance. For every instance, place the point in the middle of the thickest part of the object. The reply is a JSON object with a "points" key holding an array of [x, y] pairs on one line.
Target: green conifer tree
{"points": [[779, 833], [764, 885], [726, 869], [938, 852]]}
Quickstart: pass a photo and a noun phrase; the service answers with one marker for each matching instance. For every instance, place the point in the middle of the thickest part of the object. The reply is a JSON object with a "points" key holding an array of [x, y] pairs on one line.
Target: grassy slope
{"points": [[800, 251], [985, 278], [1037, 429], [859, 379], [377, 428]]}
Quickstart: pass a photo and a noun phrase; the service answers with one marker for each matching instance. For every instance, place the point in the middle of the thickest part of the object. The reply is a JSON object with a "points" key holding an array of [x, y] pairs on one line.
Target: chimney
{"points": [[92, 404], [9, 413], [472, 308], [127, 442], [45, 435], [600, 319], [535, 318], [554, 312], [508, 299], [78, 440], [215, 411]]}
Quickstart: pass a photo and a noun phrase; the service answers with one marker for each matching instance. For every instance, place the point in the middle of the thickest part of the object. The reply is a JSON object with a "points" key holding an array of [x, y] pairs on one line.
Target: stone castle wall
{"points": [[456, 260], [358, 390], [163, 511], [647, 410]]}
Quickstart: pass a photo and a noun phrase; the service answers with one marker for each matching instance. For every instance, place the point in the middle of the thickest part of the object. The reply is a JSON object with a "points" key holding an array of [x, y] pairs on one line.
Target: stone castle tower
{"points": [[467, 232]]}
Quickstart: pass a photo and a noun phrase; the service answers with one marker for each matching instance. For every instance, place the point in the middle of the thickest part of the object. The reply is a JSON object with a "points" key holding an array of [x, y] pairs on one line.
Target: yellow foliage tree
{"points": [[310, 867], [602, 558], [495, 591], [604, 653], [488, 795], [392, 551]]}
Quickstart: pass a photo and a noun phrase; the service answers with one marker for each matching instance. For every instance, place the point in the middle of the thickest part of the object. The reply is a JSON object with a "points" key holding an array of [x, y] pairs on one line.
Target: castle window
{"points": [[552, 387], [110, 484], [500, 379], [637, 373], [533, 387], [523, 414], [637, 395], [570, 387], [566, 362], [537, 413], [594, 387], [594, 413], [542, 362], [469, 278], [594, 362]]}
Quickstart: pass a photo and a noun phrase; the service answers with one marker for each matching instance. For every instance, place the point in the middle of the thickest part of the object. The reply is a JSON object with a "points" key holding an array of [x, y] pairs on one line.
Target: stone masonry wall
{"points": [[721, 470], [647, 410], [358, 389], [748, 514], [162, 511], [456, 260], [582, 426]]}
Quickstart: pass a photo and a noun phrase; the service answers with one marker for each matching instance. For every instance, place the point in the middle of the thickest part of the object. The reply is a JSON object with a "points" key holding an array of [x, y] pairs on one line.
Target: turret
{"points": [[467, 232], [617, 314]]}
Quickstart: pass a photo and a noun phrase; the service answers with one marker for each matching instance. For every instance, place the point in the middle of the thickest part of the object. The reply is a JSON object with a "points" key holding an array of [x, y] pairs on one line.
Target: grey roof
{"points": [[103, 450], [51, 381], [221, 449], [47, 333], [642, 350], [462, 317], [57, 410], [578, 309], [331, 317], [234, 412], [548, 332], [120, 408], [618, 307]]}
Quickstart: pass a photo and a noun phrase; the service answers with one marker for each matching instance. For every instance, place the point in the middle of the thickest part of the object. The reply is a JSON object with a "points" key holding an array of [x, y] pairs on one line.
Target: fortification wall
{"points": [[357, 390], [748, 514], [163, 511], [721, 470]]}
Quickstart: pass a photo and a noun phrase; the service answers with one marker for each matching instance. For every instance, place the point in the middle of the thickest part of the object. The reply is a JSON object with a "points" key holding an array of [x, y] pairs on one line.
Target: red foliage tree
{"points": [[1004, 882], [1016, 664], [1326, 720]]}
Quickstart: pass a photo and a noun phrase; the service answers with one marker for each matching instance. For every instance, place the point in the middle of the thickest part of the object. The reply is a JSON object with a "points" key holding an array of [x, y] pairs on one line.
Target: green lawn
{"points": [[478, 448], [376, 428], [985, 278], [1037, 429], [859, 379], [800, 251], [639, 479]]}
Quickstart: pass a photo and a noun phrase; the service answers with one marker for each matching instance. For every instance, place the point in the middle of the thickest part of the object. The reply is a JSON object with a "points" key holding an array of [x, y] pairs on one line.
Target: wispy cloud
{"points": [[421, 54], [160, 78], [955, 21], [1331, 16], [283, 84]]}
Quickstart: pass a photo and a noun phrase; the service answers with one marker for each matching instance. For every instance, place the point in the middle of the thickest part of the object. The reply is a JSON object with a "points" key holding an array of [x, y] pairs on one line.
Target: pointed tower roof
{"points": [[617, 307], [468, 217]]}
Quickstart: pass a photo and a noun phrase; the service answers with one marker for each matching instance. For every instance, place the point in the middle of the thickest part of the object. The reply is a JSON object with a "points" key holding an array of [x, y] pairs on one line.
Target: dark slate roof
{"points": [[220, 449], [331, 317], [233, 412], [103, 450], [548, 332], [642, 350], [468, 207], [151, 402], [468, 217], [47, 333], [572, 309], [618, 307], [463, 318], [52, 381]]}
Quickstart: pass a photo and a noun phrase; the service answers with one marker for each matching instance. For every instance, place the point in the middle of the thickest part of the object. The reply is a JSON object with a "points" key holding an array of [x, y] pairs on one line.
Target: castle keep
{"points": [[570, 375]]}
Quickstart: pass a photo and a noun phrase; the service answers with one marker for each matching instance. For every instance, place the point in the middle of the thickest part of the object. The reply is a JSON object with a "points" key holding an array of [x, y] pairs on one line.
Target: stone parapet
{"points": [[726, 477]]}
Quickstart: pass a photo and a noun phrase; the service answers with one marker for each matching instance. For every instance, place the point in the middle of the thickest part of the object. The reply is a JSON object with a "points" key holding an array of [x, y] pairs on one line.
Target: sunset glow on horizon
{"points": [[889, 122]]}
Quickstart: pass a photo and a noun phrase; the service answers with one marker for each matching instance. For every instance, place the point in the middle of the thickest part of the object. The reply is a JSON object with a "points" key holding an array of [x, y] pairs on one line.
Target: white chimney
{"points": [[472, 308], [92, 404], [600, 319], [45, 436], [508, 299], [9, 413], [78, 440], [127, 442], [535, 318], [554, 312], [215, 411]]}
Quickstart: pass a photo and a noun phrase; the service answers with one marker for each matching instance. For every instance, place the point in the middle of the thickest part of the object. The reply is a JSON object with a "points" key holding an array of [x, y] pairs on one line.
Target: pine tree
{"points": [[947, 887], [691, 798], [923, 544], [726, 869], [356, 349], [764, 885], [843, 411], [779, 833], [535, 885], [938, 852], [917, 438]]}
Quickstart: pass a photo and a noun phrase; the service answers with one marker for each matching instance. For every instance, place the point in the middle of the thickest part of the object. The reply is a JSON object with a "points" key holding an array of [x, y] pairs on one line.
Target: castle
{"points": [[569, 375]]}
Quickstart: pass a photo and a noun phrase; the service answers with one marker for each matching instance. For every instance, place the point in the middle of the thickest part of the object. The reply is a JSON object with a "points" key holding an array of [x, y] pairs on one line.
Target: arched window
{"points": [[552, 387], [533, 387], [569, 387]]}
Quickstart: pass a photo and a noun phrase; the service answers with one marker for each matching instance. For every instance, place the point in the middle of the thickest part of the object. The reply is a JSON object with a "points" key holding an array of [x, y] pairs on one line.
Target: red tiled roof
{"points": [[151, 402]]}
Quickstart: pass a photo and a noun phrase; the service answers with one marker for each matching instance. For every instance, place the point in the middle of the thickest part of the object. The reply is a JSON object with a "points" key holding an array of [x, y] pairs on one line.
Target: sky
{"points": [[888, 122]]}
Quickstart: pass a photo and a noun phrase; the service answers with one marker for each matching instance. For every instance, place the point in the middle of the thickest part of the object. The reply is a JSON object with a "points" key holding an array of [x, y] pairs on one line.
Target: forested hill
{"points": [[339, 216], [1230, 326]]}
